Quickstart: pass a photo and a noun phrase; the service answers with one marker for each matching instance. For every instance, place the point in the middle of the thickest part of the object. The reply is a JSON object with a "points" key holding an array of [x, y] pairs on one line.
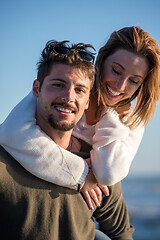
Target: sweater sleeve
{"points": [[38, 153], [112, 216], [114, 147]]}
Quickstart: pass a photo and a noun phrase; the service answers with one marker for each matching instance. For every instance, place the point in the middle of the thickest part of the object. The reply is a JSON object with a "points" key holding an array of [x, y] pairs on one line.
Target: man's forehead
{"points": [[67, 73]]}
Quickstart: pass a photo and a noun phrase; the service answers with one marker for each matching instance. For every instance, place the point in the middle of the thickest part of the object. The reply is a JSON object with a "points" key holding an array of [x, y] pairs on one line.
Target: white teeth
{"points": [[64, 110], [113, 92]]}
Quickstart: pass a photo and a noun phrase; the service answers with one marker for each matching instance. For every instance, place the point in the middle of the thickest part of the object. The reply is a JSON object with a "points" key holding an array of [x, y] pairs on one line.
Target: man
{"points": [[31, 208]]}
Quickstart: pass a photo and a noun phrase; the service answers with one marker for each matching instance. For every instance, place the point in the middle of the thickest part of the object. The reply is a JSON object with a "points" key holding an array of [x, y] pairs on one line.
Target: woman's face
{"points": [[123, 73]]}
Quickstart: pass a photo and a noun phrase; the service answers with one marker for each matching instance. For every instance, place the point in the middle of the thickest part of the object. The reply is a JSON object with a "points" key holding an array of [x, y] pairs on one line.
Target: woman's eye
{"points": [[133, 81], [116, 71]]}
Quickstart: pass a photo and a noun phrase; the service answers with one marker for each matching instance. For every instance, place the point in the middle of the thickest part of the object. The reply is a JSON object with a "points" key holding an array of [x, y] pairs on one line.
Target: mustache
{"points": [[63, 104]]}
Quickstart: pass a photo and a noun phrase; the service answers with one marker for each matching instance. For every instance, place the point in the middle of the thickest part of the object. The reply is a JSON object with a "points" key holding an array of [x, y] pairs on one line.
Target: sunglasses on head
{"points": [[83, 54]]}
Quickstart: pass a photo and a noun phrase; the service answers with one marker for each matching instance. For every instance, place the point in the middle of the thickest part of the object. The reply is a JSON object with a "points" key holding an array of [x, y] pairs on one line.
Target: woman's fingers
{"points": [[87, 199], [98, 194], [92, 190], [105, 189], [94, 194]]}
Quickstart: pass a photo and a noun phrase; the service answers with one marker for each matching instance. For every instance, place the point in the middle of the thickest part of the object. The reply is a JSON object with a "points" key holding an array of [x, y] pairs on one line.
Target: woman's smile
{"points": [[123, 73]]}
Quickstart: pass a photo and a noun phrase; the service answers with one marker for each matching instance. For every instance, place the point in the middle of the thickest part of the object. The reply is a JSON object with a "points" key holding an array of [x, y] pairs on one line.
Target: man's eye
{"points": [[80, 90], [58, 85], [115, 71]]}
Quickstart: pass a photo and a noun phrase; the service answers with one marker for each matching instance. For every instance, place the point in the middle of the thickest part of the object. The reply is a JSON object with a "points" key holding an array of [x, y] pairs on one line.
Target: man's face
{"points": [[63, 97]]}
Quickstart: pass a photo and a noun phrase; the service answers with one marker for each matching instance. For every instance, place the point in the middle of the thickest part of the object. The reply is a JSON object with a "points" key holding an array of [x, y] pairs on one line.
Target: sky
{"points": [[26, 26]]}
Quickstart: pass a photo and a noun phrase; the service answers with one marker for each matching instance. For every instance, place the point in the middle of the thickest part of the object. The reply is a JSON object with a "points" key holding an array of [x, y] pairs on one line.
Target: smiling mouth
{"points": [[112, 92], [64, 110]]}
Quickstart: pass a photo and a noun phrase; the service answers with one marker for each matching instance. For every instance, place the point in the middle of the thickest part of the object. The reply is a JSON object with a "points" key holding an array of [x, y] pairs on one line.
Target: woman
{"points": [[127, 69]]}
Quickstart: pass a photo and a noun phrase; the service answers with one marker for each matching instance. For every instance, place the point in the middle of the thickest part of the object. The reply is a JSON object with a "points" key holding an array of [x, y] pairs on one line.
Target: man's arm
{"points": [[112, 215]]}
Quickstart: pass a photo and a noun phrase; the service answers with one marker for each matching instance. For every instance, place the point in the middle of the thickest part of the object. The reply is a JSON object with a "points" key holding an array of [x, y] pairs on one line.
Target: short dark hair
{"points": [[49, 57]]}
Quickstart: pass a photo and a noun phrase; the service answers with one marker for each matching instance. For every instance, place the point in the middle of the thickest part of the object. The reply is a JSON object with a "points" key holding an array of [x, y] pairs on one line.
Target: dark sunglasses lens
{"points": [[86, 56], [62, 50]]}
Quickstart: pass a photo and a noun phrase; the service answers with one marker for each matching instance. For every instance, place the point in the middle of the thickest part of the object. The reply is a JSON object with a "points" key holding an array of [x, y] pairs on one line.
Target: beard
{"points": [[58, 125]]}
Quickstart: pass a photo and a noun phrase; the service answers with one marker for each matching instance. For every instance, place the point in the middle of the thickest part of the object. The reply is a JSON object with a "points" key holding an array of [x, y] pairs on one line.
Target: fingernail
{"points": [[92, 208], [99, 204]]}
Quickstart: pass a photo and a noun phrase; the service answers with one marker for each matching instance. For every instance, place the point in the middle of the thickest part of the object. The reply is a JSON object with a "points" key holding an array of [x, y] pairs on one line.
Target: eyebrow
{"points": [[57, 79], [61, 80], [81, 85], [125, 69]]}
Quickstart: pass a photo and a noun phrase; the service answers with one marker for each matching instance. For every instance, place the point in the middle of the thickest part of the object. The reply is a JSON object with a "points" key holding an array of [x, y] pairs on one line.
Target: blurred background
{"points": [[25, 28]]}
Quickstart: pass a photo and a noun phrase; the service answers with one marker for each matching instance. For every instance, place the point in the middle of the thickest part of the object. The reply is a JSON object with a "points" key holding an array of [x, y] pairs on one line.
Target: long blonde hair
{"points": [[138, 41]]}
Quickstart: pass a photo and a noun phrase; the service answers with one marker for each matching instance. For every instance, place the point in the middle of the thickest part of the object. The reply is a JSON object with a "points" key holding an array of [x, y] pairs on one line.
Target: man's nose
{"points": [[69, 95]]}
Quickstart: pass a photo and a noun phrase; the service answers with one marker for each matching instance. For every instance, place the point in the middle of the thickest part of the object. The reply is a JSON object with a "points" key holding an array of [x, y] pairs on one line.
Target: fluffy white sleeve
{"points": [[114, 147], [36, 152]]}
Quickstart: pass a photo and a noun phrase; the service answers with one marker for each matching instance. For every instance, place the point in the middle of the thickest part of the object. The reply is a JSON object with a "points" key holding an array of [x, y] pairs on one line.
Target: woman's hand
{"points": [[91, 189]]}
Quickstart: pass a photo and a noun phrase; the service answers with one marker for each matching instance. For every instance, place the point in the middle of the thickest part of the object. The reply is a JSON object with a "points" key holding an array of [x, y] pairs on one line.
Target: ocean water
{"points": [[142, 197]]}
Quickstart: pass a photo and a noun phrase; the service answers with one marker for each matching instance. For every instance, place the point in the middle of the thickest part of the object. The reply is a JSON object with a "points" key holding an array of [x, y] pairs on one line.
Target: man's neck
{"points": [[65, 140], [62, 138]]}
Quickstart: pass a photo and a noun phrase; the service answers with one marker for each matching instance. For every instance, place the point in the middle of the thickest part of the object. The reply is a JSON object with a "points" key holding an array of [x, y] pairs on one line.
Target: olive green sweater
{"points": [[33, 209]]}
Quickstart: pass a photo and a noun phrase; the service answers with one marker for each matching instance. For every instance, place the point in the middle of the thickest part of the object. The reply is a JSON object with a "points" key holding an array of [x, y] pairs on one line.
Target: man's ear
{"points": [[35, 89]]}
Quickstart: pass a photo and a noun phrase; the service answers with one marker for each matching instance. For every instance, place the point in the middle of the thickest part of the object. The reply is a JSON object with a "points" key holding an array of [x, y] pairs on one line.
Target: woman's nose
{"points": [[121, 84]]}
